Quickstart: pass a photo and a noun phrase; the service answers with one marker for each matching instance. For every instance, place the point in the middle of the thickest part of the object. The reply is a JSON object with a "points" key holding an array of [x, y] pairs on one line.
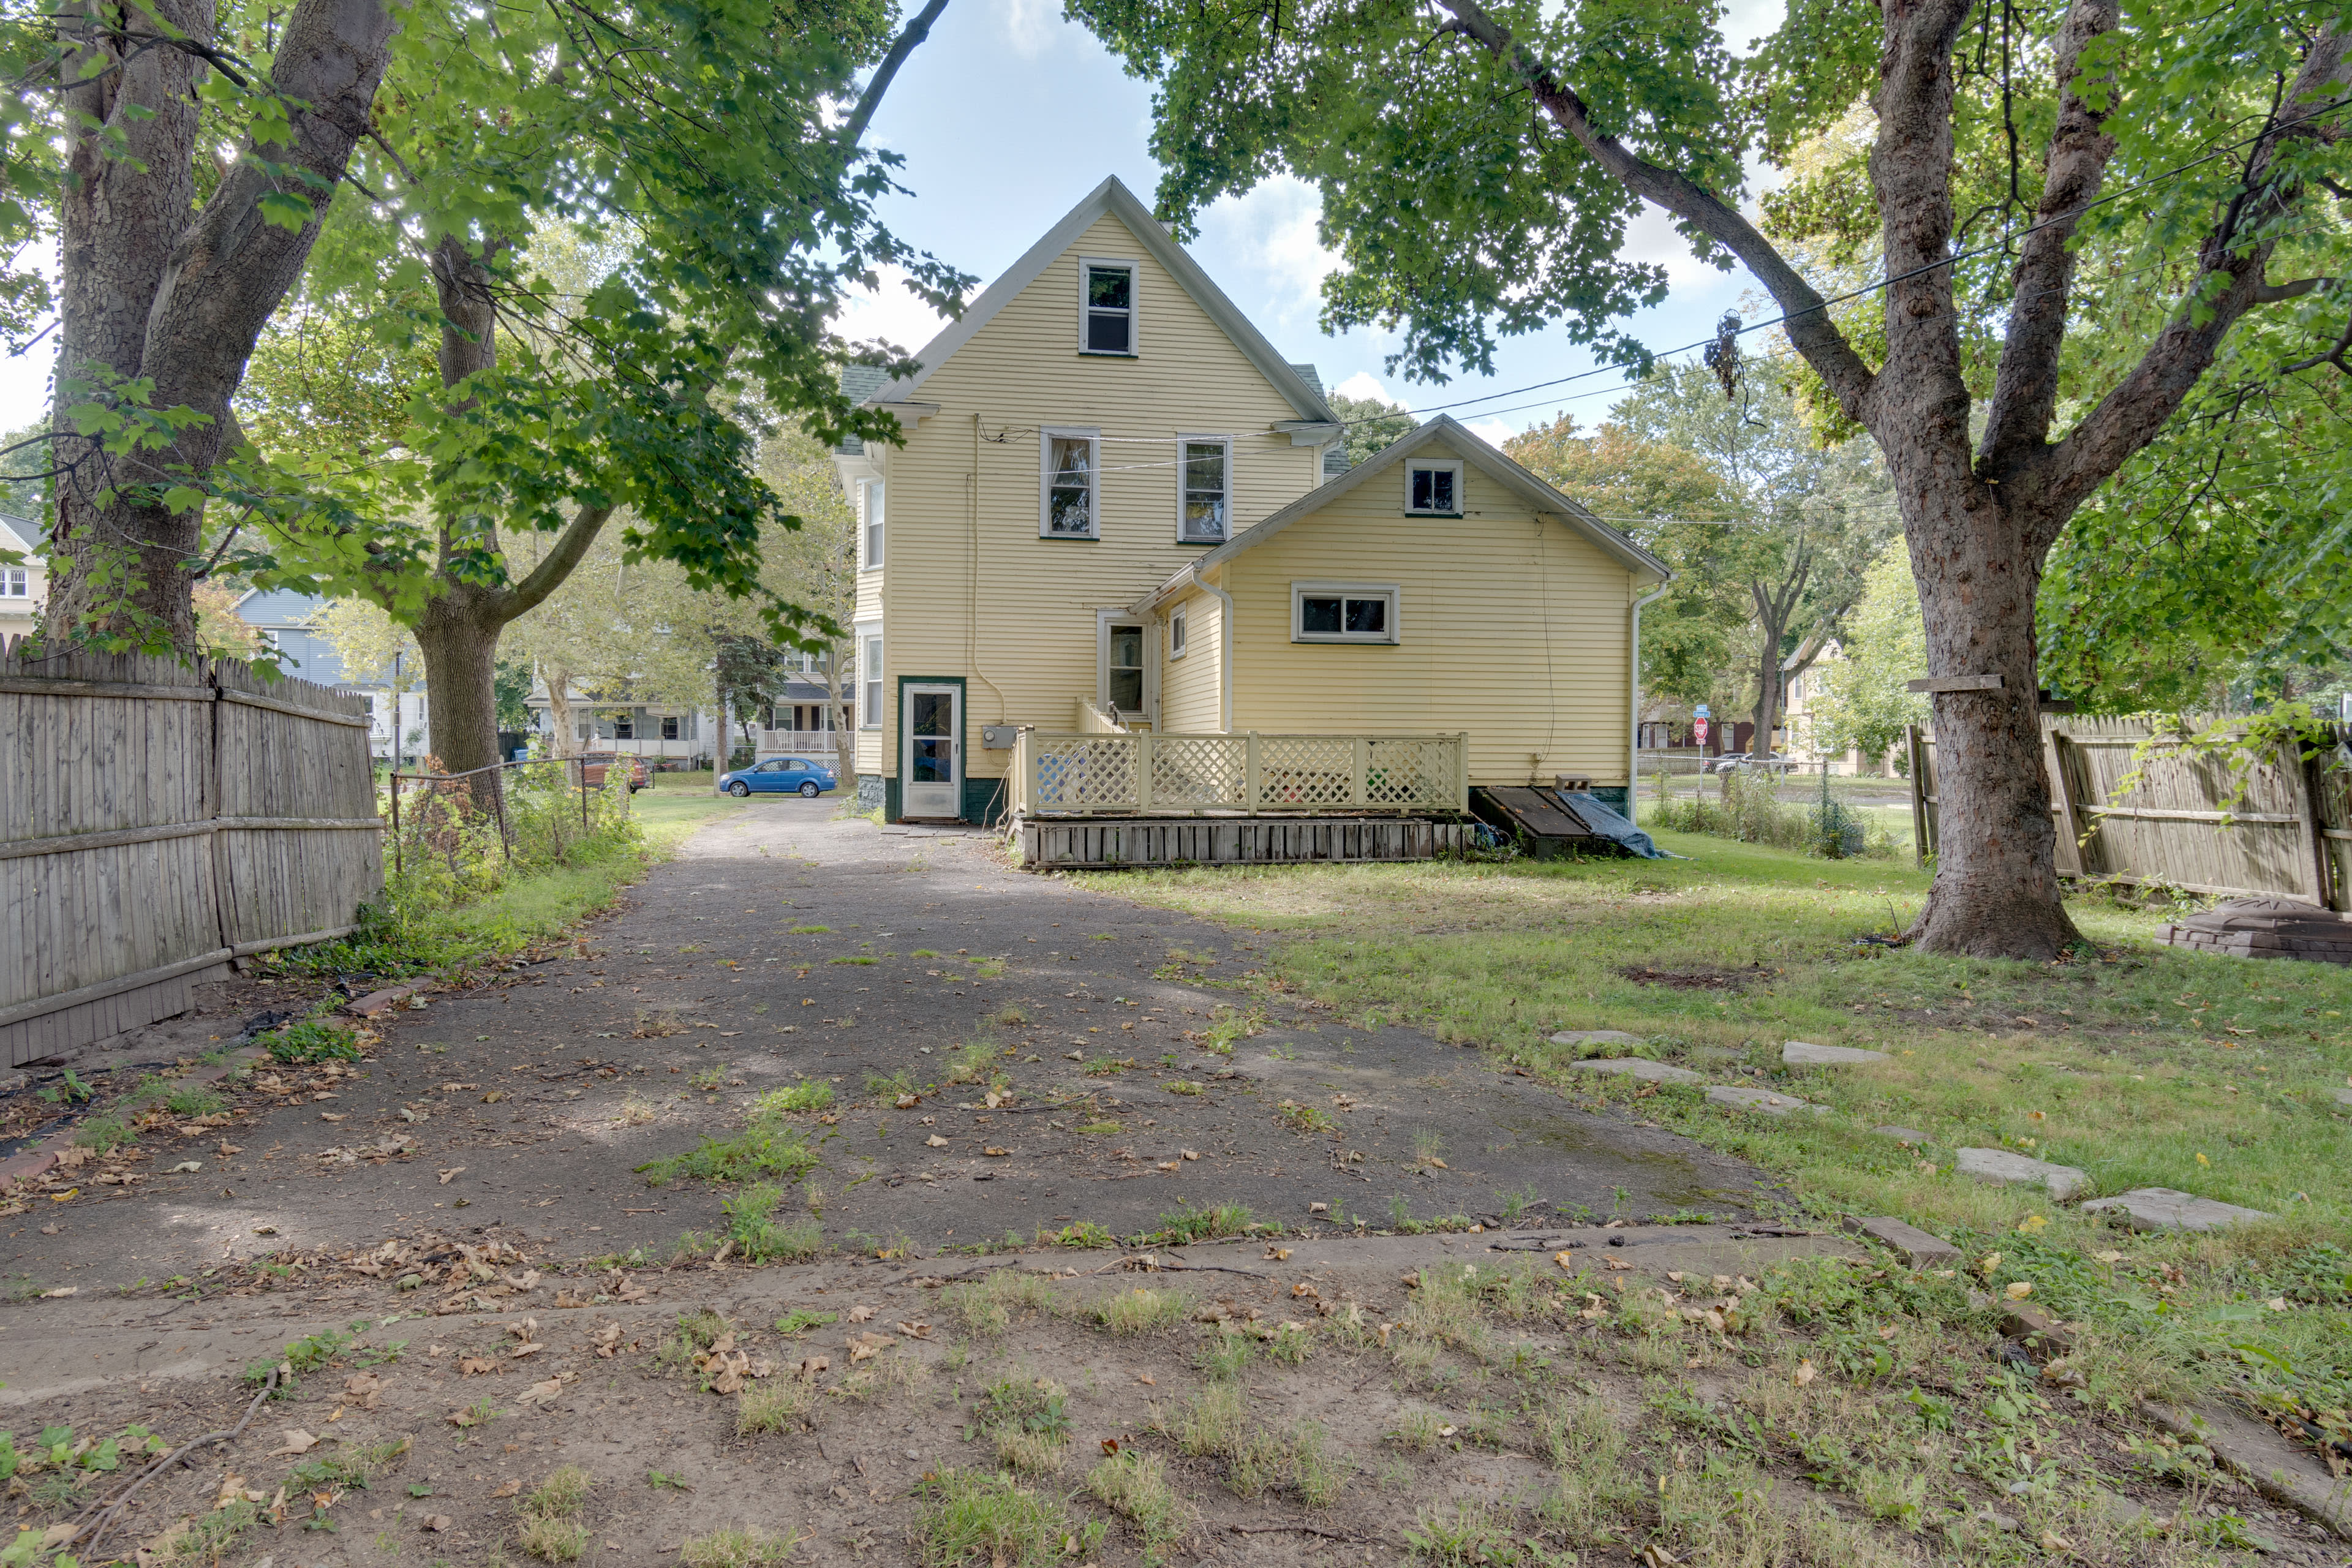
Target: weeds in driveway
{"points": [[548, 1518], [312, 1041], [104, 1134], [809, 1094], [1188, 1224], [1135, 1487], [1228, 1024], [978, 1518], [759, 1236], [738, 1548], [1028, 1424], [990, 1304], [974, 1063], [1140, 1311], [774, 1404], [891, 1086]]}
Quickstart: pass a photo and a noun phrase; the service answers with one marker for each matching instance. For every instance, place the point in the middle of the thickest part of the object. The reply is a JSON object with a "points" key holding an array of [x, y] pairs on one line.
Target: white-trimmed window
{"points": [[1343, 612], [869, 679], [1069, 484], [1107, 317], [1120, 683], [1433, 487], [1204, 478], [13, 583], [1176, 631], [870, 494]]}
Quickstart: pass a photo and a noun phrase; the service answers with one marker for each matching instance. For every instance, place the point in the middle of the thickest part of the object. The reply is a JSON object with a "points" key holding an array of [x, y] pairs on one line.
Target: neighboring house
{"points": [[400, 722], [1801, 707], [1118, 504], [24, 586]]}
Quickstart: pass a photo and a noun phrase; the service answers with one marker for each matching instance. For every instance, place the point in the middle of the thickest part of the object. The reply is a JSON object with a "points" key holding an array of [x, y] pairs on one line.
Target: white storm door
{"points": [[933, 716]]}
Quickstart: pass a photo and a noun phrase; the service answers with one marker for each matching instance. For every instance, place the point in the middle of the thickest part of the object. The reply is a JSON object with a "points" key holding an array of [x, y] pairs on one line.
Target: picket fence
{"points": [[158, 820], [2291, 836]]}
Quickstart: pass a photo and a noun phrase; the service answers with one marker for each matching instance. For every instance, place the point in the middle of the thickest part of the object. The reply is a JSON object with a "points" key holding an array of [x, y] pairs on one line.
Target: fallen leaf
{"points": [[187, 1165], [608, 1340], [865, 1347], [2109, 1257], [475, 1367], [935, 1141], [438, 1523], [1439, 1164], [1164, 1164], [1566, 1261], [1804, 1375], [62, 1291], [1617, 1264], [366, 1387], [995, 1099], [507, 1489], [992, 1149], [232, 1149], [296, 1441], [2052, 1541], [1188, 1153], [541, 1393], [862, 1314], [1147, 1380], [916, 1330], [523, 1349], [452, 1171], [2019, 1290], [1279, 1254], [811, 1365], [1318, 1208], [1306, 1290], [1110, 1445]]}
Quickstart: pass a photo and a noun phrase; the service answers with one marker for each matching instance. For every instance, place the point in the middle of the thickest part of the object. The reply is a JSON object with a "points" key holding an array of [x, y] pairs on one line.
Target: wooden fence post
{"points": [[2072, 861], [1252, 784], [2304, 786], [1359, 764], [1143, 771], [1918, 797]]}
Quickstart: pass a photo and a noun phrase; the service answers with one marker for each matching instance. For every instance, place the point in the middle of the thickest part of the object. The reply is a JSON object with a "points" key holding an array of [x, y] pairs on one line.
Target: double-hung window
{"points": [[13, 583], [1343, 612], [1433, 489], [1070, 485], [1176, 632], [869, 679], [1122, 667], [1205, 470], [1106, 307], [872, 491]]}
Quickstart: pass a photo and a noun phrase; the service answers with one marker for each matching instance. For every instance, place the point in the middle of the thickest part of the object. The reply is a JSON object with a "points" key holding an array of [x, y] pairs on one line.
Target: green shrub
{"points": [[810, 1094], [311, 1040]]}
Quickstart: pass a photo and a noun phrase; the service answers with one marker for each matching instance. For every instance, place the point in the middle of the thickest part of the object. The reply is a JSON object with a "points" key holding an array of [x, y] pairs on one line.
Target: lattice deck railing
{"points": [[1183, 776]]}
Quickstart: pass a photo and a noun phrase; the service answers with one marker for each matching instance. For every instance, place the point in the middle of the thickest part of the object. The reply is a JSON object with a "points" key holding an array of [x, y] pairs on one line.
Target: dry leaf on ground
{"points": [[295, 1441]]}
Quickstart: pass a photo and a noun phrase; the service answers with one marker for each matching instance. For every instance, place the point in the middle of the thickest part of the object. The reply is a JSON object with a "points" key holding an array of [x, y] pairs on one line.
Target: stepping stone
{"points": [[2008, 1170], [1797, 1054], [1595, 1037], [1762, 1100], [1913, 1245], [1907, 1135], [1637, 1067], [2343, 1097], [2161, 1208]]}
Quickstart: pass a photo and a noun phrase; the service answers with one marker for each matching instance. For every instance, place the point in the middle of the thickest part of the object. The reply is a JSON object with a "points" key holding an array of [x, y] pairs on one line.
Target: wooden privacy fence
{"points": [[2291, 836], [157, 820], [1181, 775]]}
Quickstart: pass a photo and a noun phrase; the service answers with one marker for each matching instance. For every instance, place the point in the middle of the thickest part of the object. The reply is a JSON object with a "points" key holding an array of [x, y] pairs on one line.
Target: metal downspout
{"points": [[1633, 706]]}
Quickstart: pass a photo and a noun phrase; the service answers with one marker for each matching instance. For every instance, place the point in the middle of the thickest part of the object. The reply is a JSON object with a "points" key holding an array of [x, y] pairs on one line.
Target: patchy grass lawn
{"points": [[2141, 1065]]}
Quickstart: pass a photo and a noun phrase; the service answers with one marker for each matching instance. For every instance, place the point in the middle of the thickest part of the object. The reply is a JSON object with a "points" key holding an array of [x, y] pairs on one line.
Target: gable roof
{"points": [[1303, 391], [20, 533], [1537, 496]]}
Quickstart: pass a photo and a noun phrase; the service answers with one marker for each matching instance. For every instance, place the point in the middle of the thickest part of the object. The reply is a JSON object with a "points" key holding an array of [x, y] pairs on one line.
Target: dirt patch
{"points": [[1704, 978]]}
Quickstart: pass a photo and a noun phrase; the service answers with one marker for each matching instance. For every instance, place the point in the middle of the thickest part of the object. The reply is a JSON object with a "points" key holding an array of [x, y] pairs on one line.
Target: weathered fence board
{"points": [[2290, 837], [1048, 842], [157, 820]]}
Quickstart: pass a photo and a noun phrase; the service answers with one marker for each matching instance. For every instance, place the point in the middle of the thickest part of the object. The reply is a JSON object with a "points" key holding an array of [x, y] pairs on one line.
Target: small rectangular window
{"points": [[669, 728], [1432, 489], [625, 727], [873, 488], [1071, 461], [869, 679], [1108, 308], [1206, 470], [1343, 612], [1176, 630], [15, 588], [1123, 669]]}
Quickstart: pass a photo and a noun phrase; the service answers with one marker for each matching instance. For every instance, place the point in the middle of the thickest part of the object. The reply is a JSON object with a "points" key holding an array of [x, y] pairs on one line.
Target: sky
{"points": [[1009, 115]]}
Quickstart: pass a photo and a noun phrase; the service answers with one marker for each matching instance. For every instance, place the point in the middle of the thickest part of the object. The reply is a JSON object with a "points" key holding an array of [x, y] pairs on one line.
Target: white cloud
{"points": [[1364, 383], [1263, 246], [1651, 237], [890, 312], [1493, 432], [1030, 27]]}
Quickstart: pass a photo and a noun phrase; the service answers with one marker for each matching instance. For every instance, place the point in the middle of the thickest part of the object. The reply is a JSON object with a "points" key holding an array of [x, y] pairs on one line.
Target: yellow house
{"points": [[24, 582], [1117, 507]]}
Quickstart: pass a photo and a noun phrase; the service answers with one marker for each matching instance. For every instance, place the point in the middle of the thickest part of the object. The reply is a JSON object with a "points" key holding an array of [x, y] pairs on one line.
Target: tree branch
{"points": [[2274, 293], [555, 565], [909, 37], [2025, 387], [1808, 326], [2128, 417]]}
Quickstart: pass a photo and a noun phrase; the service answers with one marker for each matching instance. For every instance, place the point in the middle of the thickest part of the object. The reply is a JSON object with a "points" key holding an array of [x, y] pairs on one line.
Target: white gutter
{"points": [[1634, 709]]}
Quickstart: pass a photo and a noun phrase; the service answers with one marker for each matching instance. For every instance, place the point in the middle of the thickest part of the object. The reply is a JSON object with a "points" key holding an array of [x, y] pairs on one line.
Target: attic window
{"points": [[1432, 489], [1107, 325]]}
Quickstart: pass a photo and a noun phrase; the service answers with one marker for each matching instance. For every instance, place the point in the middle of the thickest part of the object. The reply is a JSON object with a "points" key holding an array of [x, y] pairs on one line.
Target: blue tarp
{"points": [[1602, 818]]}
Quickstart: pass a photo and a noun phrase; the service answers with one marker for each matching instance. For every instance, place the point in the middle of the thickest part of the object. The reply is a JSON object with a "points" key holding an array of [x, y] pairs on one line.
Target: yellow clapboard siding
{"points": [[1191, 695], [972, 591], [1511, 627]]}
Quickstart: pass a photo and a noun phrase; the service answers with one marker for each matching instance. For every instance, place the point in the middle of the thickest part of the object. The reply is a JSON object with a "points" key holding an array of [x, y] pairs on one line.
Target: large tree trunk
{"points": [[845, 732], [1767, 689], [155, 287], [559, 711], [1996, 893], [460, 644]]}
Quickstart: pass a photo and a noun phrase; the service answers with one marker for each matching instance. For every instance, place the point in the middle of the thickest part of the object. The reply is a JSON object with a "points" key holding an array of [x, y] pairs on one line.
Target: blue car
{"points": [[779, 775]]}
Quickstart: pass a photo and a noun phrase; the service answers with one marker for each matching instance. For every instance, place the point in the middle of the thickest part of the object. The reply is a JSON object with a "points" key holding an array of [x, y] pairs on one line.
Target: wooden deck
{"points": [[1052, 843]]}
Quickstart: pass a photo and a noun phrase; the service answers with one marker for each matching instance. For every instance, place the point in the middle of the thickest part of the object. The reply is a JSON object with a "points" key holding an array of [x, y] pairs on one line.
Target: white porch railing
{"points": [[796, 742], [1191, 776]]}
